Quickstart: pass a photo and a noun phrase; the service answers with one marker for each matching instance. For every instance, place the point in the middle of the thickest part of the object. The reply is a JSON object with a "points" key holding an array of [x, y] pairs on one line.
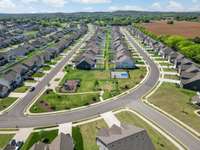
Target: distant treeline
{"points": [[188, 47], [106, 18]]}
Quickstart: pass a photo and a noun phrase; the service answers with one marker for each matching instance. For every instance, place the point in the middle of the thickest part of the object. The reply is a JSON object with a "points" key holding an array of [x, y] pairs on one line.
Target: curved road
{"points": [[16, 118]]}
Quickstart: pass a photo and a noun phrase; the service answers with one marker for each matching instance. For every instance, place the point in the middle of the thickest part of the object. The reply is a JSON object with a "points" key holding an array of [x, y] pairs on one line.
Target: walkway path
{"points": [[110, 119], [65, 128], [22, 134]]}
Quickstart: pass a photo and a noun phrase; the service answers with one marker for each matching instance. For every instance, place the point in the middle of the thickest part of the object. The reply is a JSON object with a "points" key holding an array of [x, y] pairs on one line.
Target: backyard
{"points": [[177, 102], [160, 142]]}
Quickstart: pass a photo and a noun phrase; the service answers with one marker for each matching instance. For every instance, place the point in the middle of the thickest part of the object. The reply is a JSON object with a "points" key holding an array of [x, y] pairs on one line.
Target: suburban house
{"points": [[188, 70], [126, 137], [20, 69], [191, 81], [4, 87], [3, 61], [87, 60], [61, 142], [123, 58], [8, 81]]}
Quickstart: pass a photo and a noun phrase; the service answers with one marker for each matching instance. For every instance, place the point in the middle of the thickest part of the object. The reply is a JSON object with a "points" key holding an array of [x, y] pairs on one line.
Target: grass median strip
{"points": [[51, 101], [177, 102], [159, 141]]}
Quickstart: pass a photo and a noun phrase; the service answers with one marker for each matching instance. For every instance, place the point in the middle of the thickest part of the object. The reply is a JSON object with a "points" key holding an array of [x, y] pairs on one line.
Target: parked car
{"points": [[32, 89]]}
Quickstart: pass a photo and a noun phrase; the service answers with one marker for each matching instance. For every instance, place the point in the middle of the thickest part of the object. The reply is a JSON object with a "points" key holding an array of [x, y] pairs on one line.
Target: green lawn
{"points": [[106, 50], [51, 101], [5, 139], [43, 136], [177, 102], [87, 78], [38, 75], [174, 77], [96, 80], [51, 63], [169, 70], [165, 64], [46, 68], [21, 89], [84, 136], [159, 59], [6, 102], [160, 142]]}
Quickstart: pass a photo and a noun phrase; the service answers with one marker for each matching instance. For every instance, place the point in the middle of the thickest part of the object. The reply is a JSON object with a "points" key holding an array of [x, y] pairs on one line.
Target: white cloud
{"points": [[92, 1], [174, 6], [194, 1], [125, 7], [7, 6], [156, 6], [55, 3]]}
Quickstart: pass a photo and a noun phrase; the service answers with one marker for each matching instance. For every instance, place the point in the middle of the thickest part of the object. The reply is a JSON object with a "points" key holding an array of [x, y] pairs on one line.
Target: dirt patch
{"points": [[183, 28]]}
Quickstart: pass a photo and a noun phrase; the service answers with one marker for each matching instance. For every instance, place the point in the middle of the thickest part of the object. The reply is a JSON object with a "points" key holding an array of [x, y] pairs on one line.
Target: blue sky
{"points": [[38, 6]]}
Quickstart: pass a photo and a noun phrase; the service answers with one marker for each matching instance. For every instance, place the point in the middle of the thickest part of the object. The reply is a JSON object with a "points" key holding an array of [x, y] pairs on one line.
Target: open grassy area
{"points": [[21, 89], [43, 136], [96, 80], [84, 136], [5, 139], [173, 77], [177, 102], [87, 78], [160, 142], [51, 101], [6, 102]]}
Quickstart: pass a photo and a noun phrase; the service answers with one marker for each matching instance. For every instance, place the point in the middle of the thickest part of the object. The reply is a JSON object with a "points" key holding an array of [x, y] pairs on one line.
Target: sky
{"points": [[40, 6]]}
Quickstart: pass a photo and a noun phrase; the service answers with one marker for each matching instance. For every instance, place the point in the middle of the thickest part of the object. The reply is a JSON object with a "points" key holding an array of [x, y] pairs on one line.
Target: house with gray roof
{"points": [[126, 137], [190, 81], [61, 142]]}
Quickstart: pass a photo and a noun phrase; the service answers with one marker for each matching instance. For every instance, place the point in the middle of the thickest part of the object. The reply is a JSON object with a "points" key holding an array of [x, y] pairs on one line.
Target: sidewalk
{"points": [[17, 95], [170, 81], [22, 134], [110, 119], [65, 128]]}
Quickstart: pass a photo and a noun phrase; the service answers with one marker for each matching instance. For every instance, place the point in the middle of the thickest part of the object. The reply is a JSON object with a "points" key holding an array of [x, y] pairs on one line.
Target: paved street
{"points": [[15, 117]]}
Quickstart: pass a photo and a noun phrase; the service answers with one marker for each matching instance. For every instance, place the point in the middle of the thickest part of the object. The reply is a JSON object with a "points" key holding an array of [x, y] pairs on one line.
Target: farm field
{"points": [[183, 28]]}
